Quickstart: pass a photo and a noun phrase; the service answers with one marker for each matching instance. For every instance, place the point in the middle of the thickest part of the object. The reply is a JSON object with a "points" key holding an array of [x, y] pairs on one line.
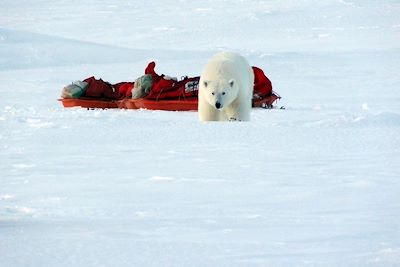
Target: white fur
{"points": [[226, 82]]}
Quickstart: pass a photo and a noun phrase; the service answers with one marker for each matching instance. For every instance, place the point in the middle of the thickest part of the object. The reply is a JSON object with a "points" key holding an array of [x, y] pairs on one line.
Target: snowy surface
{"points": [[316, 184]]}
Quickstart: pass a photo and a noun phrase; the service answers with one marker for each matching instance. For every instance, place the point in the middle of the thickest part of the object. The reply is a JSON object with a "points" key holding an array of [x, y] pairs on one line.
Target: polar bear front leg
{"points": [[238, 110]]}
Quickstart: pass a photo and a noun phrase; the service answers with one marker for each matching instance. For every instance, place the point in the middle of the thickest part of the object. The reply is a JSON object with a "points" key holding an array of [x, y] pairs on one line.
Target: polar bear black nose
{"points": [[218, 105]]}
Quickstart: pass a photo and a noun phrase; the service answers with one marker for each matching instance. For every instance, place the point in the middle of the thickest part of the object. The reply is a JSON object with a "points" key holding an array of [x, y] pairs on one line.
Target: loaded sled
{"points": [[153, 91]]}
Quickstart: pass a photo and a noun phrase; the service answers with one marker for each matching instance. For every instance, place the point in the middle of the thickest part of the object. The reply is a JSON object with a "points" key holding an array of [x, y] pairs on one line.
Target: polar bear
{"points": [[226, 89]]}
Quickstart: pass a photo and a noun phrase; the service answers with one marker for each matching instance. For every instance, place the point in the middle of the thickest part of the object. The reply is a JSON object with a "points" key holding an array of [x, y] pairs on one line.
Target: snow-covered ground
{"points": [[316, 184]]}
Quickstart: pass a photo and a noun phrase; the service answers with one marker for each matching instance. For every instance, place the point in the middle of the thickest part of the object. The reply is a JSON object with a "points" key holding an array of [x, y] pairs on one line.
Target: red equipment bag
{"points": [[167, 88], [97, 88]]}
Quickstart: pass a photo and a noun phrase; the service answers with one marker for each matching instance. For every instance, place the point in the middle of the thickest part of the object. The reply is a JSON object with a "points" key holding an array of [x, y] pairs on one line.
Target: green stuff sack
{"points": [[142, 86], [74, 90]]}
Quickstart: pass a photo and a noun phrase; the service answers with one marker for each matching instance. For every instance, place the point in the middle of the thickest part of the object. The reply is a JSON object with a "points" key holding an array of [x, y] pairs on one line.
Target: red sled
{"points": [[165, 93], [169, 105]]}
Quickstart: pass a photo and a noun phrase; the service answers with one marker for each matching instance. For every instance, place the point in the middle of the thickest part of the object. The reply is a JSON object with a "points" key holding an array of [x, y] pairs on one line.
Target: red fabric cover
{"points": [[150, 70], [170, 89], [97, 88], [262, 85], [161, 86], [124, 89]]}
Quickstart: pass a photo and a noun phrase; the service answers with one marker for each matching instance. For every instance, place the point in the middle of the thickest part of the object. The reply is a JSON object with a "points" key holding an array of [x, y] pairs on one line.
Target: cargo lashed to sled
{"points": [[164, 93]]}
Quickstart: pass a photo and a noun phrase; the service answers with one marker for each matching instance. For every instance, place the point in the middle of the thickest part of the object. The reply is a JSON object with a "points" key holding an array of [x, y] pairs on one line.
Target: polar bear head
{"points": [[219, 93]]}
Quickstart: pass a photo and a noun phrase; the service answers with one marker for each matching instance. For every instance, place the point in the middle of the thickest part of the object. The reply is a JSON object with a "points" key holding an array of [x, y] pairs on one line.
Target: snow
{"points": [[315, 184]]}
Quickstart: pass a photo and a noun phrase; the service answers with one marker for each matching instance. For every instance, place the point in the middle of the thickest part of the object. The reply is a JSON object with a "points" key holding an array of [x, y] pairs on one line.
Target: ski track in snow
{"points": [[314, 184]]}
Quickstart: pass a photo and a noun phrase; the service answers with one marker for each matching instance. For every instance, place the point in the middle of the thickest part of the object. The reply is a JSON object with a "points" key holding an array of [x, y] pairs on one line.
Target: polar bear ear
{"points": [[205, 83], [231, 82]]}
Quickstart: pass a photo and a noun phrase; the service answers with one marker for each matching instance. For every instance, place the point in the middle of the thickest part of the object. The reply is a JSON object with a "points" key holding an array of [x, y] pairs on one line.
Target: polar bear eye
{"points": [[213, 93], [223, 93], [205, 84]]}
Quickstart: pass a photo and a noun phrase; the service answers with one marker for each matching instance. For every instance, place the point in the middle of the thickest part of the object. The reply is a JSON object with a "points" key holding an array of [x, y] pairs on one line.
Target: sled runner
{"points": [[154, 92], [171, 105], [88, 103]]}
